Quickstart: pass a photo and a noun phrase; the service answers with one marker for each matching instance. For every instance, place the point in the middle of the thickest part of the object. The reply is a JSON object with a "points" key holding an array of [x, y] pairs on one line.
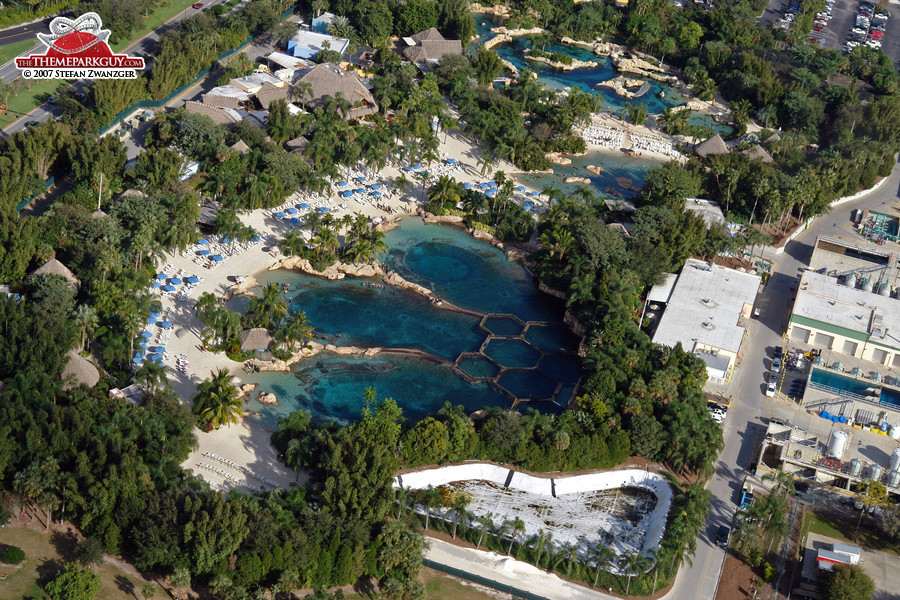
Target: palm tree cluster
{"points": [[362, 244], [217, 401]]}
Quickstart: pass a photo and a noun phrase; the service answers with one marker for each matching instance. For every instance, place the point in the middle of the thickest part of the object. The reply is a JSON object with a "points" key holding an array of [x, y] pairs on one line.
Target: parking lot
{"points": [[839, 25]]}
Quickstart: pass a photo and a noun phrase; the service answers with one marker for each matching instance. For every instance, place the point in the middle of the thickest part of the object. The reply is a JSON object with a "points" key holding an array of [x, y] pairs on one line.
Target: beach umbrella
{"points": [[226, 240], [342, 184], [219, 257], [203, 253], [322, 209], [162, 276], [407, 169], [279, 215], [175, 281], [490, 193], [492, 184], [360, 178], [253, 239], [451, 161], [157, 348], [203, 242], [376, 194], [467, 185], [521, 188], [165, 324], [417, 166], [193, 279], [146, 334], [151, 320], [295, 220], [360, 190], [168, 288], [152, 356], [140, 353], [155, 314], [346, 194], [137, 361], [155, 284], [304, 205], [375, 186], [292, 211]]}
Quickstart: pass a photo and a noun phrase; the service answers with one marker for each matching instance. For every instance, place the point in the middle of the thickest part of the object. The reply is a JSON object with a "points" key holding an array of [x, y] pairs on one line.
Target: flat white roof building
{"points": [[843, 318], [306, 44], [704, 313]]}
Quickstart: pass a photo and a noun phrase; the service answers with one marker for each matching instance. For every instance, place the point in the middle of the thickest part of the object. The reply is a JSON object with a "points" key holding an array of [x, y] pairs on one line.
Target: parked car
{"points": [[771, 387], [722, 536], [197, 6]]}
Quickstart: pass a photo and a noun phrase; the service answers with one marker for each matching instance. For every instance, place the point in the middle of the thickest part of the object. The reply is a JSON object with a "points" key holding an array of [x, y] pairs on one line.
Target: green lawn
{"points": [[844, 529], [44, 554], [157, 17], [28, 100], [10, 51]]}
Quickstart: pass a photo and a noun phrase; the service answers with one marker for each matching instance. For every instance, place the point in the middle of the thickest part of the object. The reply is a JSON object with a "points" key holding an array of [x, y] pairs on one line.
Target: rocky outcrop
{"points": [[510, 67], [557, 158], [336, 271], [351, 350], [561, 66], [598, 47], [242, 288], [623, 86], [308, 349], [392, 278], [504, 35], [267, 399], [636, 66], [444, 219], [594, 169], [500, 10], [543, 287], [583, 180]]}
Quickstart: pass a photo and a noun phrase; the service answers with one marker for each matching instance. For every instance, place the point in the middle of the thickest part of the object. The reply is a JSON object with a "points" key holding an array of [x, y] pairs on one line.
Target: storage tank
{"points": [[893, 478], [895, 433], [885, 289], [895, 460], [855, 467], [875, 472], [851, 280], [867, 285], [838, 443]]}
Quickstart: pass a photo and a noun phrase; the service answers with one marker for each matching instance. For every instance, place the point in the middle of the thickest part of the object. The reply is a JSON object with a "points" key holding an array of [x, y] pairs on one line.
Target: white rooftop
{"points": [[287, 61], [306, 44], [229, 91], [255, 80], [709, 210], [705, 306], [823, 299], [661, 292]]}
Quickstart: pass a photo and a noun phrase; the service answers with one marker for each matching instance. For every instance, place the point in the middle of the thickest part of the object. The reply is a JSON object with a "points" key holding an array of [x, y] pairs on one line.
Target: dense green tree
{"points": [[73, 583], [216, 401], [848, 582]]}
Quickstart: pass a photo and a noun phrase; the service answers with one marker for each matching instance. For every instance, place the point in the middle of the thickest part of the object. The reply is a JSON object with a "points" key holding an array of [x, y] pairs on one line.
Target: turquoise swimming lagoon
{"points": [[494, 341]]}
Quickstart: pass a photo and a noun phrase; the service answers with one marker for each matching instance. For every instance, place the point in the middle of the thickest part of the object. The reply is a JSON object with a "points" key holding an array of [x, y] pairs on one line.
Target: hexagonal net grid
{"points": [[518, 366]]}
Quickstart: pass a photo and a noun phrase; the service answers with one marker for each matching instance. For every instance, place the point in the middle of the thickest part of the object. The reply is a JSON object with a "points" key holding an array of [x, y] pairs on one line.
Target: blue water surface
{"points": [[422, 341]]}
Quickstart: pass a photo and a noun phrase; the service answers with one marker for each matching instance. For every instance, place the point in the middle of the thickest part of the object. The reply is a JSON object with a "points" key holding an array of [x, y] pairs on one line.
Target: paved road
{"points": [[24, 32], [746, 422]]}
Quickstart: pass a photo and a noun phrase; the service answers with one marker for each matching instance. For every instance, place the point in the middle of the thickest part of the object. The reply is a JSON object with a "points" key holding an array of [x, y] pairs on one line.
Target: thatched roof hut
{"points": [[327, 80], [714, 145], [430, 45], [257, 338], [80, 370], [240, 147], [757, 152], [54, 267]]}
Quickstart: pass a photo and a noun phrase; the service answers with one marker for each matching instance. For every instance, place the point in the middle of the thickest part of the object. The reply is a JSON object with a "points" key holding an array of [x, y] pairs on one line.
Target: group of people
{"points": [[651, 143], [602, 135]]}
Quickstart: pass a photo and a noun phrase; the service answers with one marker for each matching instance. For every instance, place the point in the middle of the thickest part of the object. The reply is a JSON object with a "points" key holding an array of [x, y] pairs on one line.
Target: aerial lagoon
{"points": [[531, 353]]}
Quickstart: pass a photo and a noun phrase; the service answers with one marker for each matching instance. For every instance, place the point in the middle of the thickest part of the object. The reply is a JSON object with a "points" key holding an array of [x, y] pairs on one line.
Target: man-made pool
{"points": [[516, 347], [851, 387]]}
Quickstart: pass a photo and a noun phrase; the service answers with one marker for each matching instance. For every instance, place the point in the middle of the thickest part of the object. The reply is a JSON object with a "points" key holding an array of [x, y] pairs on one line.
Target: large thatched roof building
{"points": [[256, 339], [79, 371], [756, 152], [429, 46], [327, 81], [54, 267], [714, 145]]}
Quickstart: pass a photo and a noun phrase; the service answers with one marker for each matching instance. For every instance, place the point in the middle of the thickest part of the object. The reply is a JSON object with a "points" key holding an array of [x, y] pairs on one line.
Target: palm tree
{"points": [[150, 375], [633, 564], [459, 511], [486, 522], [341, 27], [86, 318], [602, 555], [297, 328], [180, 579], [217, 401], [428, 498], [516, 527], [445, 190], [319, 6], [292, 244], [268, 308]]}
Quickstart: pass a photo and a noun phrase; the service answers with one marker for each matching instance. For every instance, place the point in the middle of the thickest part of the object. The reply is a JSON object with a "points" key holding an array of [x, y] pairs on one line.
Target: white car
{"points": [[771, 387]]}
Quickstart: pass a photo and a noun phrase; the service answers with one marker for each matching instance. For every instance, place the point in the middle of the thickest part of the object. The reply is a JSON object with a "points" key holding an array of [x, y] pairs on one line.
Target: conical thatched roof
{"points": [[256, 339], [81, 369], [714, 145], [240, 147], [757, 152], [54, 267], [772, 138], [298, 143], [98, 214]]}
